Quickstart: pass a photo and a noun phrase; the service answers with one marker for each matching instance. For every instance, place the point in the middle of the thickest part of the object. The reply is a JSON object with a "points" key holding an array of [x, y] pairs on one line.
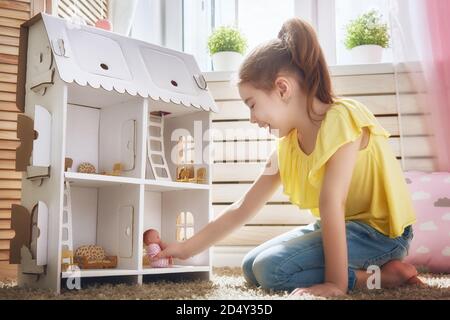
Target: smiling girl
{"points": [[333, 157]]}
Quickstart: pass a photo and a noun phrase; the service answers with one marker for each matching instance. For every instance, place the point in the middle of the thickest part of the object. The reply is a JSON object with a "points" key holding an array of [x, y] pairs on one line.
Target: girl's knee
{"points": [[247, 269], [265, 272]]}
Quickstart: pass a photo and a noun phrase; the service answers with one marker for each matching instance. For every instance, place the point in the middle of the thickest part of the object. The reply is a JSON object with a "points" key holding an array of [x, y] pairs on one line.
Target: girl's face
{"points": [[270, 110]]}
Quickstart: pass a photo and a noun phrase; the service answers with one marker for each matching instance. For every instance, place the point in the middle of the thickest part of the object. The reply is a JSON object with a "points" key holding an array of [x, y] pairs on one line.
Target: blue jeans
{"points": [[296, 260]]}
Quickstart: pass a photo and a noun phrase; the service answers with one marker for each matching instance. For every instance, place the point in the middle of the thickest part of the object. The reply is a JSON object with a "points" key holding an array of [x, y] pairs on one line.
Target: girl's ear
{"points": [[283, 87]]}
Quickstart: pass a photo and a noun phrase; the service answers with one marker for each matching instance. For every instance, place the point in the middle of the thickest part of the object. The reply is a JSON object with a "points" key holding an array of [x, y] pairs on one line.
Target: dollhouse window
{"points": [[185, 226]]}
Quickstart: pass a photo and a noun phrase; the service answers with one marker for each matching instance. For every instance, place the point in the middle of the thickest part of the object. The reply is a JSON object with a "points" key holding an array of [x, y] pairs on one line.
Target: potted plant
{"points": [[366, 37], [226, 46]]}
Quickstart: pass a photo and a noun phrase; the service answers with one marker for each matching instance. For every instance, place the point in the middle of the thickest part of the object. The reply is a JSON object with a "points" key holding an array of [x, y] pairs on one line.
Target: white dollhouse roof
{"points": [[95, 57]]}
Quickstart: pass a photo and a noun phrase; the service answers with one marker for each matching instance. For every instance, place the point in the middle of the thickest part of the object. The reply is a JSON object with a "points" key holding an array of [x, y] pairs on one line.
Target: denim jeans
{"points": [[296, 260]]}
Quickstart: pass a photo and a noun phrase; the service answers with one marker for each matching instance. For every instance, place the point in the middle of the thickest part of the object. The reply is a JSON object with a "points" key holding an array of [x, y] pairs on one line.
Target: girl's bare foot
{"points": [[397, 273]]}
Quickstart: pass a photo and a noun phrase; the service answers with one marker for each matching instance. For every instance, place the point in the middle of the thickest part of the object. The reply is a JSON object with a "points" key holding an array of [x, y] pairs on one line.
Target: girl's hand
{"points": [[173, 250], [321, 290]]}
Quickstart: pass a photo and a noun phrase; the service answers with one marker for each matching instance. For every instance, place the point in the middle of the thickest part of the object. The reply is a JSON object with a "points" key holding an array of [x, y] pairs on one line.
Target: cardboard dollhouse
{"points": [[93, 96]]}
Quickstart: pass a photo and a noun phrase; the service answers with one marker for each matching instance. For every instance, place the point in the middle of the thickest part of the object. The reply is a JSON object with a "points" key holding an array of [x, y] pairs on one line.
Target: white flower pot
{"points": [[367, 54], [226, 61]]}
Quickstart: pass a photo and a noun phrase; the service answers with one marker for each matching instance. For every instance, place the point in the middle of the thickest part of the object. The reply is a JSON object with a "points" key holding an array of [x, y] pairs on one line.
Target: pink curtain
{"points": [[420, 32], [437, 73]]}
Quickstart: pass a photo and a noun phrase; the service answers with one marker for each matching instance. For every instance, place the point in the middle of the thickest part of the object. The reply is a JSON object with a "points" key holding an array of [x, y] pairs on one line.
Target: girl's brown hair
{"points": [[296, 51]]}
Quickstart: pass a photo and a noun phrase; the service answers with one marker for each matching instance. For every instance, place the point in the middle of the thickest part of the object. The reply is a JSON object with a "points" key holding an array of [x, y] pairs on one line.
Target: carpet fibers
{"points": [[226, 283]]}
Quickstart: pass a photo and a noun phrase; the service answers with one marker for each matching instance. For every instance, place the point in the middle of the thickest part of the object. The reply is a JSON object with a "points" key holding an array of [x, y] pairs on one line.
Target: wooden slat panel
{"points": [[284, 214], [417, 147], [91, 11], [10, 41], [248, 172], [252, 236], [8, 106], [6, 204], [5, 214], [7, 87], [4, 49], [7, 68], [8, 22], [9, 31], [15, 5], [4, 244], [6, 234], [229, 193], [364, 84], [7, 96], [7, 164], [242, 150], [66, 9], [7, 154], [344, 86], [14, 14], [377, 104], [414, 124], [236, 171], [6, 77], [8, 116], [241, 130], [260, 150], [421, 164], [11, 184], [8, 125], [8, 135], [5, 225], [411, 82], [96, 7], [10, 194], [86, 10], [4, 255], [9, 144], [8, 58], [10, 174]]}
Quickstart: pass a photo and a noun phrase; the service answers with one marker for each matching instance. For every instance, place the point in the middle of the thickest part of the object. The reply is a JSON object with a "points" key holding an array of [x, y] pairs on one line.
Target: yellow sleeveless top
{"points": [[378, 193]]}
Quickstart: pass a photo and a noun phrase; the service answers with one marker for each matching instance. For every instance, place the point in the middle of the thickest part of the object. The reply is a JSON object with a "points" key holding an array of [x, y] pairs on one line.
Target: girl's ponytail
{"points": [[296, 50], [306, 55]]}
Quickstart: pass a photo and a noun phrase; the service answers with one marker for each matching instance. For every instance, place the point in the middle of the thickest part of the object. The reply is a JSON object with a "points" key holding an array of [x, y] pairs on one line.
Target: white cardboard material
{"points": [[41, 146], [98, 58], [92, 111]]}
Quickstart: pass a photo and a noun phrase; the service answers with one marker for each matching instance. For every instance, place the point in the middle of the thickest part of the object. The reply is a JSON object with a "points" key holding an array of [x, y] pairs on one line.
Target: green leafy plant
{"points": [[226, 39], [367, 29]]}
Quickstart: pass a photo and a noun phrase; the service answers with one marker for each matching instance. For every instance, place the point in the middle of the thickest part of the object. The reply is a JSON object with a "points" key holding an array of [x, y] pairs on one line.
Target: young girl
{"points": [[333, 157]]}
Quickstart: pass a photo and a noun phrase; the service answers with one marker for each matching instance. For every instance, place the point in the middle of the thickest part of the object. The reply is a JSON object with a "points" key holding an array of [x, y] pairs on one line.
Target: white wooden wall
{"points": [[235, 168]]}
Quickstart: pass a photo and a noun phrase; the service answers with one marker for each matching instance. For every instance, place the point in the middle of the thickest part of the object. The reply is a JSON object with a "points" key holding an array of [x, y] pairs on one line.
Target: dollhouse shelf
{"points": [[145, 271], [100, 273], [162, 185], [96, 180], [175, 269]]}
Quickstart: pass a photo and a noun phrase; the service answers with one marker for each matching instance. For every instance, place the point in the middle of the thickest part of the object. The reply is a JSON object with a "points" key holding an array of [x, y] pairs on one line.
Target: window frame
{"points": [[320, 13]]}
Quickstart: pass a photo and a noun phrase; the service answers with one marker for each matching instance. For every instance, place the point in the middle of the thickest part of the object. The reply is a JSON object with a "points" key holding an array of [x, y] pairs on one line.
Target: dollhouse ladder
{"points": [[67, 240], [157, 157]]}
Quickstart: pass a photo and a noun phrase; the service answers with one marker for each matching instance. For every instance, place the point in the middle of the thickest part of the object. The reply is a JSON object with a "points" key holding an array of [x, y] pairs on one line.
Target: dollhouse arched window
{"points": [[185, 226]]}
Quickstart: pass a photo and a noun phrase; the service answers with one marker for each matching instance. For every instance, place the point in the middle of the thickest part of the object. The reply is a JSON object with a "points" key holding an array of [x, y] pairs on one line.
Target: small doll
{"points": [[154, 245]]}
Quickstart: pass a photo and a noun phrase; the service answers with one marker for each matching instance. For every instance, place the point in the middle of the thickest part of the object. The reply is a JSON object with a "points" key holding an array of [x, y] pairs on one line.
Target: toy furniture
{"points": [[94, 257], [121, 105]]}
